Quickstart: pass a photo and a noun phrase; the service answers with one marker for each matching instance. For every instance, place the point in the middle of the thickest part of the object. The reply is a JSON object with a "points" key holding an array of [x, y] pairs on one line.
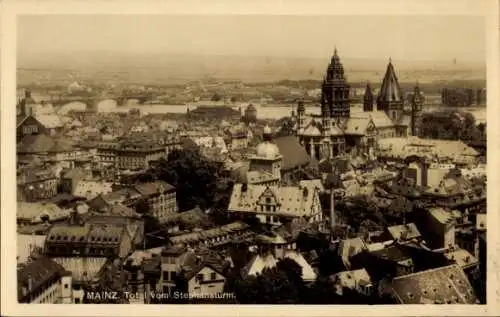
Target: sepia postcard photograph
{"points": [[242, 162]]}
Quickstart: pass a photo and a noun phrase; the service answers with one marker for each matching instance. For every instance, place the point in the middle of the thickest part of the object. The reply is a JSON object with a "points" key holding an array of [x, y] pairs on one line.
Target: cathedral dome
{"points": [[268, 150]]}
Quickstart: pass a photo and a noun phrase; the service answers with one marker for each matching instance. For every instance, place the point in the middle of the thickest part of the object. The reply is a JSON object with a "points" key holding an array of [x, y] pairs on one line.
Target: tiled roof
{"points": [[35, 144], [349, 248], [42, 143], [441, 215], [412, 146], [138, 256], [258, 263], [308, 273], [294, 155], [462, 257], [89, 233], [208, 234], [33, 211], [350, 279], [81, 268], [73, 173], [152, 188], [49, 121], [195, 217], [312, 184], [90, 189], [255, 177], [390, 90], [445, 285], [379, 118], [405, 232], [357, 126], [36, 273], [393, 253], [291, 201]]}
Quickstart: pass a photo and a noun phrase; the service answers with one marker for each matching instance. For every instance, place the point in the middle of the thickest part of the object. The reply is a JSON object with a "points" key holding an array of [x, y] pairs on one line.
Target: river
{"points": [[263, 112]]}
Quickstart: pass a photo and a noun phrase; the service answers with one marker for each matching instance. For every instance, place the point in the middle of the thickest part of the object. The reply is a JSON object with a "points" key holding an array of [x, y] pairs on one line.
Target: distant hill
{"points": [[158, 68]]}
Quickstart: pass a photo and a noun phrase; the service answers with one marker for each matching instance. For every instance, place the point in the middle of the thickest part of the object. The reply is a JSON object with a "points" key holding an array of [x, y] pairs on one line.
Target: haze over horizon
{"points": [[407, 38], [172, 48]]}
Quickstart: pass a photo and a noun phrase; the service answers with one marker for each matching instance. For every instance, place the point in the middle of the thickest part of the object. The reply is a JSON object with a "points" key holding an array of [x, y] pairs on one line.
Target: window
{"points": [[165, 275], [268, 219], [213, 276], [65, 286], [77, 301], [199, 277]]}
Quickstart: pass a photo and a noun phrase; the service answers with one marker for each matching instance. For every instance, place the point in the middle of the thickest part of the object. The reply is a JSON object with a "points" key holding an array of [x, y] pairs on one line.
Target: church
{"points": [[336, 131]]}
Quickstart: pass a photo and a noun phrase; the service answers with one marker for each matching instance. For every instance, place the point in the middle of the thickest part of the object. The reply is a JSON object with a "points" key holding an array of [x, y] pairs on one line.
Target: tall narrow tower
{"points": [[368, 99], [390, 97], [326, 114], [301, 112], [335, 90], [417, 103]]}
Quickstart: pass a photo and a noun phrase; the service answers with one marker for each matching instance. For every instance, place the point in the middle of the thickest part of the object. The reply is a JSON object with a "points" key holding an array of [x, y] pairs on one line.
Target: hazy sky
{"points": [[402, 37]]}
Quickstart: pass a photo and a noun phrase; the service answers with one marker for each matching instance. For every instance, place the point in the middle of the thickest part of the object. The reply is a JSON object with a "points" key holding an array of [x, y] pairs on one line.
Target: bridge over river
{"points": [[92, 101]]}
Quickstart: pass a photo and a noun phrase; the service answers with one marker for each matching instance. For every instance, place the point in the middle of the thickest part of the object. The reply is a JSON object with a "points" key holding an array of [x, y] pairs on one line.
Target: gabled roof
{"points": [[49, 121], [259, 263], [390, 90], [405, 232], [292, 201], [349, 248], [350, 279], [152, 188], [36, 273], [357, 126], [444, 285]]}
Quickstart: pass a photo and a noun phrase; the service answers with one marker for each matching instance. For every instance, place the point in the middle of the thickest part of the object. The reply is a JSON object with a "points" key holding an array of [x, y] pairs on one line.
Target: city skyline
{"points": [[419, 38]]}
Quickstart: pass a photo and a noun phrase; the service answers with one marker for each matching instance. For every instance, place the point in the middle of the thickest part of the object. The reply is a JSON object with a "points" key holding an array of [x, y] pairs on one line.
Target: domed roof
{"points": [[268, 150], [251, 107]]}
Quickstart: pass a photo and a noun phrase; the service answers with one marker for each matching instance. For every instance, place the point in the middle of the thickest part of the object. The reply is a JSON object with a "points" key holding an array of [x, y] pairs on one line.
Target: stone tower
{"points": [[368, 98], [335, 91], [417, 102]]}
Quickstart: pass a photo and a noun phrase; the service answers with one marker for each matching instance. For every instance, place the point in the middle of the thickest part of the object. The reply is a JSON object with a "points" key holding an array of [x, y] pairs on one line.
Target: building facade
{"points": [[337, 131], [42, 281]]}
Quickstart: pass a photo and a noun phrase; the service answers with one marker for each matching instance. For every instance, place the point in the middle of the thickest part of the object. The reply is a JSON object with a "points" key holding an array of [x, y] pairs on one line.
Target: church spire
{"points": [[368, 98], [390, 96]]}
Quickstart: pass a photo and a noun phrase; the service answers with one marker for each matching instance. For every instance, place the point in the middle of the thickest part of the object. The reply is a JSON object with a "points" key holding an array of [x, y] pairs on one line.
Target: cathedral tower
{"points": [[368, 99], [417, 101], [390, 98], [335, 91]]}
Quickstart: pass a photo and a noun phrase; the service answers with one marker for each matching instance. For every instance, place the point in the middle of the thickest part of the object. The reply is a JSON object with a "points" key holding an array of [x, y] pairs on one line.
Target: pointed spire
{"points": [[335, 51], [390, 60], [368, 90], [390, 90]]}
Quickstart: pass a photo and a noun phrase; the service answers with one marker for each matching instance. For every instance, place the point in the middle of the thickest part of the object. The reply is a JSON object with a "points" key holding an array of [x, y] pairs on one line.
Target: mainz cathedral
{"points": [[336, 131]]}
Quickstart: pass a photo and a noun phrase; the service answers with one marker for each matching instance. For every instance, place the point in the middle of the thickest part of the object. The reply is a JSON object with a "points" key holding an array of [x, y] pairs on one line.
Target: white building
{"points": [[42, 281]]}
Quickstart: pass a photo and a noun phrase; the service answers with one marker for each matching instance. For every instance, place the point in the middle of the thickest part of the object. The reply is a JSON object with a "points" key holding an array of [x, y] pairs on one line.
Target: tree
{"points": [[216, 97], [195, 178], [322, 292], [286, 125], [450, 125], [280, 285]]}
